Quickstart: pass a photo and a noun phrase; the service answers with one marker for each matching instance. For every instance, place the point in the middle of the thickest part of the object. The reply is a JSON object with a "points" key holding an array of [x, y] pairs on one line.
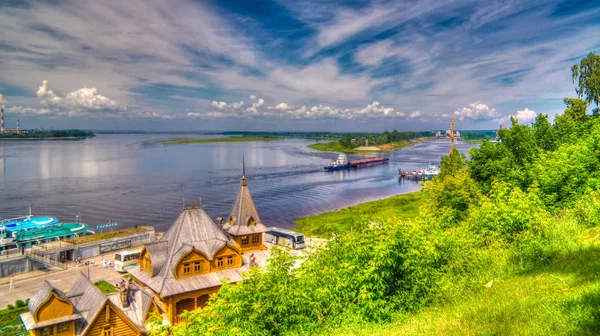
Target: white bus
{"points": [[285, 237], [125, 259]]}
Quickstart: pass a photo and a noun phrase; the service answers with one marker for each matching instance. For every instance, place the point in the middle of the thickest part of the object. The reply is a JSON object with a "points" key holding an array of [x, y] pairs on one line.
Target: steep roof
{"points": [[172, 286], [192, 230], [42, 295], [243, 209]]}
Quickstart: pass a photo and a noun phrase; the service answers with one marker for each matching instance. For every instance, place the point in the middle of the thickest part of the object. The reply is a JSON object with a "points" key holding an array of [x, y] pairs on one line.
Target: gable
{"points": [[53, 307], [112, 318], [193, 263]]}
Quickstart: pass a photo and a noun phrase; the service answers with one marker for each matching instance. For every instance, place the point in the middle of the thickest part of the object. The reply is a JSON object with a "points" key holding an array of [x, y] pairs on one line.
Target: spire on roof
{"points": [[243, 180]]}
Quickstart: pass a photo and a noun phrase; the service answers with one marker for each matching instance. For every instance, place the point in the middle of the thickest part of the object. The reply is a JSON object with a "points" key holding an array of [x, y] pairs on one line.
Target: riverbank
{"points": [[404, 206], [336, 146], [227, 139], [50, 138]]}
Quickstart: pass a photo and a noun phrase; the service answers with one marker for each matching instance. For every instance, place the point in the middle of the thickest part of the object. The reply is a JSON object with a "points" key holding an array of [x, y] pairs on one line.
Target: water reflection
{"points": [[130, 179]]}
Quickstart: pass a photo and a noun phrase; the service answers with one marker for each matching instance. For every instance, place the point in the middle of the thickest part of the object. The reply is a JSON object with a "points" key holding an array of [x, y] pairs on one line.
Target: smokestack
{"points": [[18, 127], [2, 117]]}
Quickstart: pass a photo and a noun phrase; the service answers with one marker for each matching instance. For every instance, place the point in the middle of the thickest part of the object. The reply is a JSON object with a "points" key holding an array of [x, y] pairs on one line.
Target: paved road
{"points": [[27, 284]]}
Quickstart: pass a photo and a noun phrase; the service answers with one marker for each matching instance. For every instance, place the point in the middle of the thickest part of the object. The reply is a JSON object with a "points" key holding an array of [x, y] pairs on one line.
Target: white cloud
{"points": [[28, 110], [415, 114], [2, 100], [476, 111], [289, 111], [525, 116], [80, 101]]}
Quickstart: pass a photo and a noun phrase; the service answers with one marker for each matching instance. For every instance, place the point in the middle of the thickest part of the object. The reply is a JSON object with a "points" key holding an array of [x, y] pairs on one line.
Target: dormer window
{"points": [[186, 268], [251, 221], [220, 262], [231, 220]]}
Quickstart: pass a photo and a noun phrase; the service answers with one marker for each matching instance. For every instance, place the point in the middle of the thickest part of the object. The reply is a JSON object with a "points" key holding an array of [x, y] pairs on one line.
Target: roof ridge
{"points": [[171, 251]]}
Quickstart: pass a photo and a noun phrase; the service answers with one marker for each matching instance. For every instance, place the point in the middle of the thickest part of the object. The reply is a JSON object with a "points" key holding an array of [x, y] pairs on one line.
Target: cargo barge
{"points": [[342, 163], [363, 163]]}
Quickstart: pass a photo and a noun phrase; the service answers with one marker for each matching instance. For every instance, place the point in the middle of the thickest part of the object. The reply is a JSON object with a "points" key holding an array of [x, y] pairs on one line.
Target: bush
{"points": [[20, 303], [10, 306]]}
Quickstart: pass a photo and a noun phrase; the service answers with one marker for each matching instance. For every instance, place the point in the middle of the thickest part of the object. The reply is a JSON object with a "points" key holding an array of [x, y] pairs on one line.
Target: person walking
{"points": [[11, 284]]}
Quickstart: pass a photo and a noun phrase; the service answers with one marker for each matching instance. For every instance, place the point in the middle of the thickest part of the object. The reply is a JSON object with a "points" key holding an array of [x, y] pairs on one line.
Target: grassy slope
{"points": [[228, 139], [401, 206], [335, 146], [561, 298], [10, 323]]}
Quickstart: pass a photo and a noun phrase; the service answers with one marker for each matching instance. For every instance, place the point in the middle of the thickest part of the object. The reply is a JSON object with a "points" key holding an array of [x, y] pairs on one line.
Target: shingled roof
{"points": [[193, 229], [243, 209]]}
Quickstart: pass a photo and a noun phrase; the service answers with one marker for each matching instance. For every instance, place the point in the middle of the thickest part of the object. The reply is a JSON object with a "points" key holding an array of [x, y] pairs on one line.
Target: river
{"points": [[131, 179]]}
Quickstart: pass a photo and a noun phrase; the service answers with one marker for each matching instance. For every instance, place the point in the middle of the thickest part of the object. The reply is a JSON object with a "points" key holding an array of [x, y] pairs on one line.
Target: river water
{"points": [[131, 179]]}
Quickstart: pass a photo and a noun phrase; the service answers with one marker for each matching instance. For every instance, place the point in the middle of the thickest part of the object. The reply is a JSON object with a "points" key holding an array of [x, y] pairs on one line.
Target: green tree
{"points": [[491, 161], [545, 136], [453, 163], [576, 110], [449, 198], [586, 75], [520, 141], [563, 175]]}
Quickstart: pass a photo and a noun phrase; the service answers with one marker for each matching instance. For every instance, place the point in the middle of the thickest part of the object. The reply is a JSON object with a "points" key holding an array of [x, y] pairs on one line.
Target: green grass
{"points": [[561, 297], [10, 322], [227, 139], [400, 206], [335, 146], [105, 287]]}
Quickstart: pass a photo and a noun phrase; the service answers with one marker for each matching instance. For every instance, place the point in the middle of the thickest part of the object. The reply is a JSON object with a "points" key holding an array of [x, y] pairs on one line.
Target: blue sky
{"points": [[289, 65]]}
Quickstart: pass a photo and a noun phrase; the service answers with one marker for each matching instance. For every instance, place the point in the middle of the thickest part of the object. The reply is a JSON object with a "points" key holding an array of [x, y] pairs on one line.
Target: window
{"points": [[197, 267], [64, 327], [186, 268], [229, 260], [48, 331], [255, 239], [107, 331], [251, 221], [220, 262], [245, 240]]}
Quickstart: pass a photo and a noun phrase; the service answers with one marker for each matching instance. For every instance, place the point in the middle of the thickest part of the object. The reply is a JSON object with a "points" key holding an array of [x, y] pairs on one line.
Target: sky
{"points": [[289, 65]]}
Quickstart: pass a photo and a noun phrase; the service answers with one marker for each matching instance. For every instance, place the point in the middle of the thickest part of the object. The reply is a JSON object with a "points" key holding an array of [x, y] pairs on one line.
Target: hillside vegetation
{"points": [[504, 244]]}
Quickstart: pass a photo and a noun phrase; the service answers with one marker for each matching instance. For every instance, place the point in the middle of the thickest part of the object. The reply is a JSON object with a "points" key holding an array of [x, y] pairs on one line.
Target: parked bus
{"points": [[285, 237], [125, 259]]}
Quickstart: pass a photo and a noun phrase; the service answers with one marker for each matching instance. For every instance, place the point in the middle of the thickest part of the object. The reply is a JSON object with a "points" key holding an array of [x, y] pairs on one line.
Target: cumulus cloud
{"points": [[258, 109], [2, 100], [476, 111], [82, 100], [415, 114], [525, 116]]}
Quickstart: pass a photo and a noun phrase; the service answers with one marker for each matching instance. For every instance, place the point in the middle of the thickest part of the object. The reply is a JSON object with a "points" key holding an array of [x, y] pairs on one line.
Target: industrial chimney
{"points": [[2, 121], [18, 127]]}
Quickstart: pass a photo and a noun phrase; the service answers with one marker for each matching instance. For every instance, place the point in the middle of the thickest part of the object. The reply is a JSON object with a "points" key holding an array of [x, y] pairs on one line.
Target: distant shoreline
{"points": [[335, 146], [227, 139], [48, 138]]}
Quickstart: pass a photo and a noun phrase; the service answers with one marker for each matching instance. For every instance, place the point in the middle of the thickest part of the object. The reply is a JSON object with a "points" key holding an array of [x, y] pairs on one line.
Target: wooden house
{"points": [[177, 273]]}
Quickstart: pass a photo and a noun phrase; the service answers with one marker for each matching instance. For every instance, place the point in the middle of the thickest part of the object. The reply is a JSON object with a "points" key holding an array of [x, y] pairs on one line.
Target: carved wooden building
{"points": [[177, 273]]}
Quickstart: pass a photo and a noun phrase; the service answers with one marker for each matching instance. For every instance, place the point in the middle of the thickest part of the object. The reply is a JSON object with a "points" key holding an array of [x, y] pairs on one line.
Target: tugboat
{"points": [[339, 164]]}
